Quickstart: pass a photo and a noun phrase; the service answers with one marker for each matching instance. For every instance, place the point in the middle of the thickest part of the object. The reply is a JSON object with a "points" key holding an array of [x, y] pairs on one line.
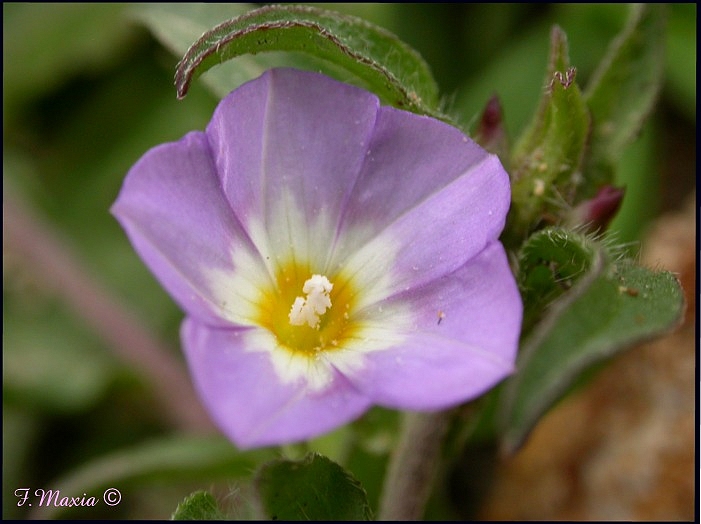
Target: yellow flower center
{"points": [[308, 312]]}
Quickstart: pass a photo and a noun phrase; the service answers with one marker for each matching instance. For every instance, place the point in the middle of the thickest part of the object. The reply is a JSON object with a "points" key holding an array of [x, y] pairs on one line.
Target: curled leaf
{"points": [[375, 59]]}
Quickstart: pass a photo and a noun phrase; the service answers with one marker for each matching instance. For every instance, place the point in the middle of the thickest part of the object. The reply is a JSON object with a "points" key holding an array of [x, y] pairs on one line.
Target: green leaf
{"points": [[547, 158], [198, 506], [169, 459], [613, 306], [178, 25], [376, 59], [513, 74], [558, 63], [314, 488], [623, 90]]}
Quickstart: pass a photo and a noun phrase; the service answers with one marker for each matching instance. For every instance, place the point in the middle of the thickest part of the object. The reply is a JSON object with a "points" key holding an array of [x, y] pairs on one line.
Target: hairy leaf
{"points": [[614, 305], [547, 158], [198, 506], [314, 488], [550, 263]]}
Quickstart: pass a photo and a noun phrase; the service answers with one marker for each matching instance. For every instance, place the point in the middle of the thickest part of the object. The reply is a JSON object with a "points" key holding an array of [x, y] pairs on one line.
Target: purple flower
{"points": [[330, 254]]}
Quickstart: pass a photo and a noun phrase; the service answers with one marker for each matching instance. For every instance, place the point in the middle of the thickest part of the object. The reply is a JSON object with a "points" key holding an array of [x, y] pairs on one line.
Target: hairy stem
{"points": [[49, 258], [413, 466]]}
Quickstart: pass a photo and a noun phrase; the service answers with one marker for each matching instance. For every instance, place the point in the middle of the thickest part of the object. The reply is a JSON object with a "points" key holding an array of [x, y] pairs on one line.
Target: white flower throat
{"points": [[309, 310]]}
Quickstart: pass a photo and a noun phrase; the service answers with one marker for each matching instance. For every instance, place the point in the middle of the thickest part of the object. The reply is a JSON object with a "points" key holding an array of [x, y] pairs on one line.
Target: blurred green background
{"points": [[87, 90]]}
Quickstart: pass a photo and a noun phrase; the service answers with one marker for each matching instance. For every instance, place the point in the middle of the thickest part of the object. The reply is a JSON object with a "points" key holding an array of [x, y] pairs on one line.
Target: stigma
{"points": [[308, 310]]}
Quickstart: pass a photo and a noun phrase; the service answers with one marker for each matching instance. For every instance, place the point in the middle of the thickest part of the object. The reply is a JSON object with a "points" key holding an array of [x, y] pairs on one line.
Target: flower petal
{"points": [[289, 146], [418, 173], [248, 401], [178, 220], [463, 341], [438, 235]]}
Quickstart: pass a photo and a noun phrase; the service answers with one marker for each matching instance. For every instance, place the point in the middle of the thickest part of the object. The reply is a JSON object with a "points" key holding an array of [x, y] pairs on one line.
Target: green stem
{"points": [[413, 466]]}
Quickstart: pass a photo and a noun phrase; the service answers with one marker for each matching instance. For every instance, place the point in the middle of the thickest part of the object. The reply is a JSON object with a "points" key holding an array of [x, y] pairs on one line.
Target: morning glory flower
{"points": [[330, 253]]}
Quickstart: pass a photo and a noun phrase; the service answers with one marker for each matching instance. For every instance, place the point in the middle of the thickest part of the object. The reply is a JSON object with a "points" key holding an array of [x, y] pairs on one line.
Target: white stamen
{"points": [[307, 310]]}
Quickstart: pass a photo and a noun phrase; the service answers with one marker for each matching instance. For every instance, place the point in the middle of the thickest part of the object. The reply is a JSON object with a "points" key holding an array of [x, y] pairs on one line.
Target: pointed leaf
{"points": [[623, 90], [198, 506], [314, 488], [615, 305], [375, 58], [548, 156], [178, 25], [558, 61]]}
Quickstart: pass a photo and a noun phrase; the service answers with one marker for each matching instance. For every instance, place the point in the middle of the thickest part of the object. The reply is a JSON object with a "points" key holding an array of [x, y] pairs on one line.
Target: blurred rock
{"points": [[623, 448]]}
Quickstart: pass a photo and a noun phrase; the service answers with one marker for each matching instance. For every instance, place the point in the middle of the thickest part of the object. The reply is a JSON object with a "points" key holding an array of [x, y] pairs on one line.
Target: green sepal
{"points": [[374, 58], [549, 263], [546, 161], [314, 488], [558, 62]]}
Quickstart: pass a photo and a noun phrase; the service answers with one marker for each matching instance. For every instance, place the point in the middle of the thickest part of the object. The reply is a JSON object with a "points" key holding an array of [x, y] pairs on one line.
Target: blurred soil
{"points": [[624, 447]]}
